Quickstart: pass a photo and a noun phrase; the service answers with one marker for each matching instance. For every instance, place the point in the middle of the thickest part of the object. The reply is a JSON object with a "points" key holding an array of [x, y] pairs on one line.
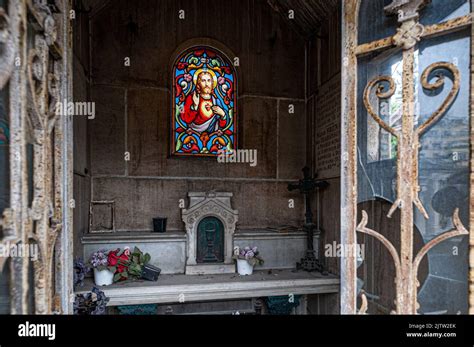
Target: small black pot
{"points": [[159, 225]]}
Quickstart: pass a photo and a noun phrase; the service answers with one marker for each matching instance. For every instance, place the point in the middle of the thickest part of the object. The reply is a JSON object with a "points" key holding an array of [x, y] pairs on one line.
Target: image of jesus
{"points": [[202, 111]]}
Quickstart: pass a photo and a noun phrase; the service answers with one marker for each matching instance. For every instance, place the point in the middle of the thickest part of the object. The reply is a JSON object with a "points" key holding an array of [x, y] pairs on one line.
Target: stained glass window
{"points": [[204, 103]]}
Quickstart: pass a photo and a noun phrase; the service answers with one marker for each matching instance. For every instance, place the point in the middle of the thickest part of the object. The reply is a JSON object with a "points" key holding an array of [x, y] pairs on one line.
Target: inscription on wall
{"points": [[328, 128]]}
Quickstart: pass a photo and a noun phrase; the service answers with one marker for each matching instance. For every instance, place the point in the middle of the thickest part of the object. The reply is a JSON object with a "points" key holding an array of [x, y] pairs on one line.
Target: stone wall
{"points": [[133, 111], [324, 115], [82, 179]]}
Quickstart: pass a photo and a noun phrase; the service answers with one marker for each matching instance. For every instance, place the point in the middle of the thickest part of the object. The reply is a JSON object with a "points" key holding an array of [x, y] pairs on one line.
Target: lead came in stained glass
{"points": [[204, 116]]}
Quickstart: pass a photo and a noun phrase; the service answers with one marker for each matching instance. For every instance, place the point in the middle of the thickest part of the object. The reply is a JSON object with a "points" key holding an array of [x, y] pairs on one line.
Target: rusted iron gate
{"points": [[409, 33], [35, 64]]}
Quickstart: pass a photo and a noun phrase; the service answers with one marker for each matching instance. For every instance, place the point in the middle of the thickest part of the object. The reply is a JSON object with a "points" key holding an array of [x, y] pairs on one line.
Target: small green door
{"points": [[210, 241]]}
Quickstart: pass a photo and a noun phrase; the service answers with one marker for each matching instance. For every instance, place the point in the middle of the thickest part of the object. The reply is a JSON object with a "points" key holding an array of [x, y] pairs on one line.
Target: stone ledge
{"points": [[176, 288], [281, 250], [137, 236], [265, 234], [150, 236], [204, 269]]}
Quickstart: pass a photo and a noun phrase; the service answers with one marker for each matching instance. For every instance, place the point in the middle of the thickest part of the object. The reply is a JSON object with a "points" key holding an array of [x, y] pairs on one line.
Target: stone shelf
{"points": [[281, 250], [193, 288]]}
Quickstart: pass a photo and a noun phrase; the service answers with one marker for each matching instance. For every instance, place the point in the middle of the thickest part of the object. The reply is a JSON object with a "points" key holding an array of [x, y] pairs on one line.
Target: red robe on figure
{"points": [[202, 119]]}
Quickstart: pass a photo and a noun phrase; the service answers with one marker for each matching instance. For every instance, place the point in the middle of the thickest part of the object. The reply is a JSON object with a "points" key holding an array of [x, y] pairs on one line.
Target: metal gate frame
{"points": [[39, 76], [409, 33]]}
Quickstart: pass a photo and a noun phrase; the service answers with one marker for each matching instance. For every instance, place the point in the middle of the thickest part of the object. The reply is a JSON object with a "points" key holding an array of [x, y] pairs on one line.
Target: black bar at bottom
{"points": [[291, 330]]}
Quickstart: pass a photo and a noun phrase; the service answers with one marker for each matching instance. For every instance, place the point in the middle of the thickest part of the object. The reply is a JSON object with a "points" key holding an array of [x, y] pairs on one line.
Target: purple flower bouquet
{"points": [[251, 254]]}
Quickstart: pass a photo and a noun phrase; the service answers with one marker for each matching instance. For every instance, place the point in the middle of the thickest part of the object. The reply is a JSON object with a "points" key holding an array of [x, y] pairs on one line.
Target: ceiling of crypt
{"points": [[95, 6], [309, 14]]}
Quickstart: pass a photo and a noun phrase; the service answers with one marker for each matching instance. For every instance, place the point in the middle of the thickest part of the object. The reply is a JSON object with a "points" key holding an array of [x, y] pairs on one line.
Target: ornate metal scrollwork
{"points": [[436, 116], [38, 80], [50, 30], [406, 274], [407, 36], [53, 100], [406, 9], [381, 94], [36, 89], [458, 230], [439, 67], [410, 31], [7, 50]]}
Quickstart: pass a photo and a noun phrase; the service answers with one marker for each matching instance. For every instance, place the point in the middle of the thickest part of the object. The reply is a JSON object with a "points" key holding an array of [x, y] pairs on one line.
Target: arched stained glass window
{"points": [[204, 103]]}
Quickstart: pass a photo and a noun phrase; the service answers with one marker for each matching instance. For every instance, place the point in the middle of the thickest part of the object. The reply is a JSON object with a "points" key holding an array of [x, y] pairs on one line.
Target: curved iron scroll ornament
{"points": [[381, 94], [406, 276], [399, 275], [436, 116], [8, 224], [409, 33], [37, 85]]}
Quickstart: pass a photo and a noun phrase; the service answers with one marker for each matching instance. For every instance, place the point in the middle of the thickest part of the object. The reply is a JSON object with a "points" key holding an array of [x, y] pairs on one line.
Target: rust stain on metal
{"points": [[349, 156], [436, 85], [408, 35], [429, 31], [407, 175], [365, 305], [381, 94], [35, 86], [448, 26], [362, 227]]}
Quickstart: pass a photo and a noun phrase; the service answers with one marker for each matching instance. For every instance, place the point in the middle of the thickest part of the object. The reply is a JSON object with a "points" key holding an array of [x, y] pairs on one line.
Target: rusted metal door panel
{"points": [[406, 137]]}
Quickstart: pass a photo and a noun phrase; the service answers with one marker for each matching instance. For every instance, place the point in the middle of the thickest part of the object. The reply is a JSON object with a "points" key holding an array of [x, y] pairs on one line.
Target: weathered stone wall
{"points": [[133, 111], [324, 115], [81, 184], [323, 105]]}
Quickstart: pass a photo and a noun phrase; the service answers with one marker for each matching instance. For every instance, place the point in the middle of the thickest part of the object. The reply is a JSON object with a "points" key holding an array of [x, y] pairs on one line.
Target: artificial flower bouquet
{"points": [[251, 254], [122, 264]]}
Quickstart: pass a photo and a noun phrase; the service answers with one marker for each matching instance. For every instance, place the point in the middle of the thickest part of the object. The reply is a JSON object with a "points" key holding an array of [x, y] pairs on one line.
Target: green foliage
{"points": [[117, 277], [134, 266], [255, 261]]}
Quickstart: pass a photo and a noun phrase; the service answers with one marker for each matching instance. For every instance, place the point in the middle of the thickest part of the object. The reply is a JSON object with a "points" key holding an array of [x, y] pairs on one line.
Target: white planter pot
{"points": [[244, 267], [103, 277]]}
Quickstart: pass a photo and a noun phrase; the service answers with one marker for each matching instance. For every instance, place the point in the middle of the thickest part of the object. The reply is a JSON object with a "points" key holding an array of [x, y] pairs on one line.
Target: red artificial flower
{"points": [[118, 260]]}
